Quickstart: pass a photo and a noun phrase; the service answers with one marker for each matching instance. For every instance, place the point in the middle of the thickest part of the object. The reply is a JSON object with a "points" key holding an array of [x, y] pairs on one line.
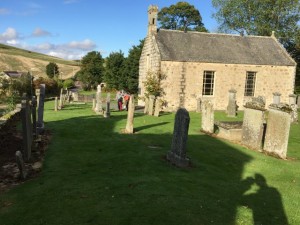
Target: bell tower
{"points": [[152, 19]]}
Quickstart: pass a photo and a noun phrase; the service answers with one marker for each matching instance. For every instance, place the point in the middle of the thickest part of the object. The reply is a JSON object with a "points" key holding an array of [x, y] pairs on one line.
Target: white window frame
{"points": [[210, 86]]}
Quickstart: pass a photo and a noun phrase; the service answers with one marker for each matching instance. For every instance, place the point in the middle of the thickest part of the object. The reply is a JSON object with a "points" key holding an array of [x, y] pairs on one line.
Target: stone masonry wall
{"points": [[150, 56], [269, 79]]}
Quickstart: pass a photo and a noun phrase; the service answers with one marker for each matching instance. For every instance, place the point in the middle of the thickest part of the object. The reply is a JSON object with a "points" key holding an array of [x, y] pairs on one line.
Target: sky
{"points": [[70, 29]]}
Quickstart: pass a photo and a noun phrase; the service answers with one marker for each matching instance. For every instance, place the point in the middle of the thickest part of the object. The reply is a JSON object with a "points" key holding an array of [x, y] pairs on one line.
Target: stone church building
{"points": [[206, 66]]}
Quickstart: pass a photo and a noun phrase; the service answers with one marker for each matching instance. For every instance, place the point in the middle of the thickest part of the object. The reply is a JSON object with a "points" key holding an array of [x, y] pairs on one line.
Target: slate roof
{"points": [[221, 48], [13, 74]]}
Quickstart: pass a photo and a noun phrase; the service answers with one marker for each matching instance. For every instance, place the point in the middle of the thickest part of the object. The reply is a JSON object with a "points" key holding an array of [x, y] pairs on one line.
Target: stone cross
{"points": [[278, 129], [151, 105], [207, 124], [146, 109], [26, 128], [40, 120], [276, 98], [232, 106], [253, 123], [157, 106], [130, 116], [21, 165], [177, 155]]}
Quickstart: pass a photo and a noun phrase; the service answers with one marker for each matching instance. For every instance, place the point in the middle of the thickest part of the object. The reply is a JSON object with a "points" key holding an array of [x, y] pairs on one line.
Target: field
{"points": [[93, 173]]}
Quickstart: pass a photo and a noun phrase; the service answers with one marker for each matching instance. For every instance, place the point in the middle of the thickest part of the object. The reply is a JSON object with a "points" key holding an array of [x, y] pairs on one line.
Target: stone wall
{"points": [[149, 61], [189, 75]]}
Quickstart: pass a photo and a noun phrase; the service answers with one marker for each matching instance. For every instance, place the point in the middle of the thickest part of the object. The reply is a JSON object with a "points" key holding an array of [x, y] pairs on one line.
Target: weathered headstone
{"points": [[298, 101], [94, 104], [232, 106], [55, 104], [276, 98], [207, 124], [26, 128], [294, 107], [37, 93], [40, 120], [151, 105], [146, 109], [33, 113], [107, 110], [278, 129], [158, 104], [21, 165], [61, 99], [199, 100], [98, 108], [292, 99], [75, 96], [177, 155], [130, 115], [253, 123]]}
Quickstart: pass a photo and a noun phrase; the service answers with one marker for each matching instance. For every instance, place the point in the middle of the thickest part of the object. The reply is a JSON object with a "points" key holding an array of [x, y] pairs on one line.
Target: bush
{"points": [[52, 86], [69, 83]]}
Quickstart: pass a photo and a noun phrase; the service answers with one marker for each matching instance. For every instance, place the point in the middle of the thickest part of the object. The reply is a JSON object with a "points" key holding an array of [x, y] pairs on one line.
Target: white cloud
{"points": [[84, 45], [9, 35], [70, 1], [4, 11], [38, 32]]}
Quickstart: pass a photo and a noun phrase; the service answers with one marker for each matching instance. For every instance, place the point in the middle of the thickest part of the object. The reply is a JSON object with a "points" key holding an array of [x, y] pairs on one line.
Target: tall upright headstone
{"points": [[158, 104], [55, 104], [130, 115], [207, 124], [232, 106], [177, 154], [94, 104], [253, 123], [37, 93], [294, 107], [146, 109], [278, 129], [40, 120], [61, 99], [26, 128], [33, 113], [276, 98], [107, 110], [98, 108], [151, 105]]}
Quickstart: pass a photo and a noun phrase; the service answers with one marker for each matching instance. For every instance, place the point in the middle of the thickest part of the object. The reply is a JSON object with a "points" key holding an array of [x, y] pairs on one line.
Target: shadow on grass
{"points": [[105, 177]]}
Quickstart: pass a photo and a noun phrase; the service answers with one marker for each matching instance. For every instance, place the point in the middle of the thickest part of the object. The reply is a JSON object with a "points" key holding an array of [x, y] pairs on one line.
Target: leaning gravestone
{"points": [[21, 165], [207, 124], [151, 105], [130, 116], [26, 128], [40, 120], [253, 123], [232, 106], [177, 155], [278, 129]]}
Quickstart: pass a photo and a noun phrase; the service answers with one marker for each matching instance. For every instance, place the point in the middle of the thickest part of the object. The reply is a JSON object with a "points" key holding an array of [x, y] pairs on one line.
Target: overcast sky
{"points": [[71, 28]]}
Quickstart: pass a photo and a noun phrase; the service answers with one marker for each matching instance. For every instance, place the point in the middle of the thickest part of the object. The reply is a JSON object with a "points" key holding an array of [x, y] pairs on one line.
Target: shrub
{"points": [[69, 83], [52, 86]]}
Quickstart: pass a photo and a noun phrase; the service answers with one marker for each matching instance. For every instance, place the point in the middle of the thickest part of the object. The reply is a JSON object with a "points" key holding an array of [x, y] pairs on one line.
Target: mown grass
{"points": [[95, 174]]}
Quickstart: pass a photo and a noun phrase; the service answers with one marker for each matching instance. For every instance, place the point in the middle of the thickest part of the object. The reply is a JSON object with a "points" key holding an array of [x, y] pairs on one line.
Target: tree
{"points": [[114, 66], [261, 17], [52, 70], [131, 69], [92, 70], [181, 16]]}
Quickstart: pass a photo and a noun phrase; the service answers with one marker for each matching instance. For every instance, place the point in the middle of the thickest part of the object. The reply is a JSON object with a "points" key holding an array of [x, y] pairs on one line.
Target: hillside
{"points": [[17, 59]]}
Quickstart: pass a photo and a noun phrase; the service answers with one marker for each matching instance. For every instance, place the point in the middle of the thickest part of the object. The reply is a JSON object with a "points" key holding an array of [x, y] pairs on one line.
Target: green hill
{"points": [[17, 59]]}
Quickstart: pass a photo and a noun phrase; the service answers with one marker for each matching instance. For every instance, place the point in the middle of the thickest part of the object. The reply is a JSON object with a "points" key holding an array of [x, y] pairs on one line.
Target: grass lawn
{"points": [[95, 174]]}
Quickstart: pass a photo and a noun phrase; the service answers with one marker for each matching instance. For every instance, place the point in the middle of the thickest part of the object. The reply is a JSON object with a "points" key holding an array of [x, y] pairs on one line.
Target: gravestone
{"points": [[253, 123], [151, 105], [198, 105], [61, 99], [298, 101], [107, 111], [177, 154], [146, 109], [292, 99], [37, 93], [158, 104], [75, 96], [130, 116], [98, 108], [207, 124], [33, 113], [278, 129], [294, 107], [55, 104], [21, 165], [40, 120], [276, 98], [94, 104], [26, 128], [232, 106]]}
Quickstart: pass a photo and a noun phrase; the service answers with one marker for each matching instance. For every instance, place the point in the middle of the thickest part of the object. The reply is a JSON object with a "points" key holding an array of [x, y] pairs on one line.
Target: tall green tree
{"points": [[181, 16], [92, 71], [52, 70], [131, 68], [114, 65], [261, 17]]}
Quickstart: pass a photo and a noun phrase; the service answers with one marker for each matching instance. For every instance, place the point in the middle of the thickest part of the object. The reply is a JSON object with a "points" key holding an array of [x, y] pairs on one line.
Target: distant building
{"points": [[207, 66], [12, 74]]}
